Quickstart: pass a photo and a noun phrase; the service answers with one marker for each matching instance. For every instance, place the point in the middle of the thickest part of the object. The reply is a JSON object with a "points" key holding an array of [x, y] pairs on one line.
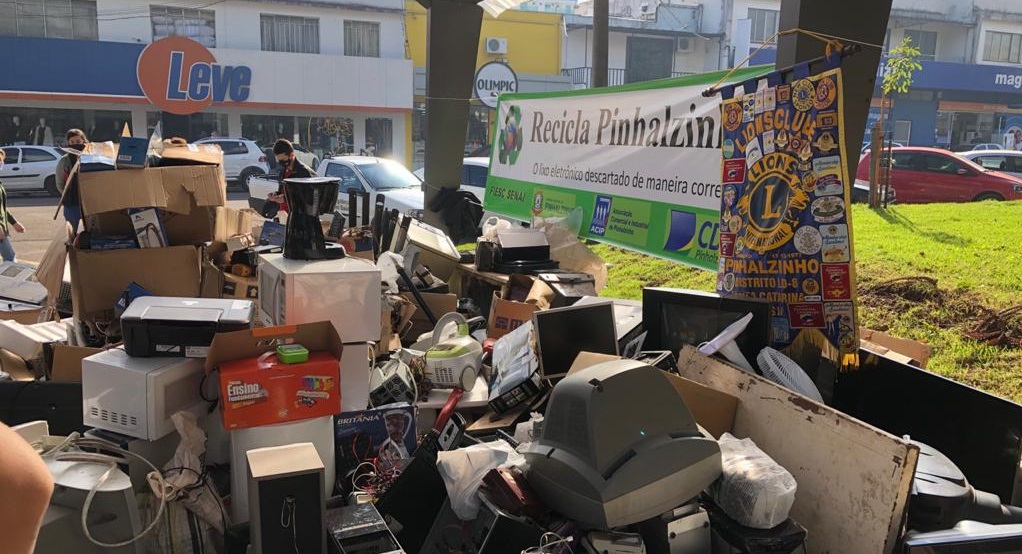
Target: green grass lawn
{"points": [[974, 251]]}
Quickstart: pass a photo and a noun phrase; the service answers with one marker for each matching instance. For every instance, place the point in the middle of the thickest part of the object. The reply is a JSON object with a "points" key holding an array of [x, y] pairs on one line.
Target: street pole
{"points": [[862, 20], [601, 40], [452, 43]]}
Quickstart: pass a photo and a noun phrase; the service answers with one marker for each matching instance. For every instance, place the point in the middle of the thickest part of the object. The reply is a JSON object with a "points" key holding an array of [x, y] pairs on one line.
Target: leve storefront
{"points": [[330, 104]]}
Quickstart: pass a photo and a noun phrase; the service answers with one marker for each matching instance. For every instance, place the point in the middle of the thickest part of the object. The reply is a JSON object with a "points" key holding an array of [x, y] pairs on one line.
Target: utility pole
{"points": [[601, 40]]}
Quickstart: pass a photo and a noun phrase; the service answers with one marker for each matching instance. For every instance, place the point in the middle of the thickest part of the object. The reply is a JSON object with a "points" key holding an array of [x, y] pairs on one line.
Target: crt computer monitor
{"points": [[676, 317]]}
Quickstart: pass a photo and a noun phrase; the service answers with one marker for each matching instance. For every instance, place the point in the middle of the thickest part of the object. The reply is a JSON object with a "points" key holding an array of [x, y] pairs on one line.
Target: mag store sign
{"points": [[642, 162], [785, 227]]}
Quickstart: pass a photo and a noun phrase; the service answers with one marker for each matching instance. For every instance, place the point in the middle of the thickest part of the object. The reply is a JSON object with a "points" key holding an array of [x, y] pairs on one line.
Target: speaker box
{"points": [[285, 498]]}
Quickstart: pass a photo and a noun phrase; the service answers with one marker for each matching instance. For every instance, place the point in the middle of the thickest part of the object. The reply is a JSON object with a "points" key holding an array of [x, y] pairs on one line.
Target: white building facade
{"points": [[330, 74]]}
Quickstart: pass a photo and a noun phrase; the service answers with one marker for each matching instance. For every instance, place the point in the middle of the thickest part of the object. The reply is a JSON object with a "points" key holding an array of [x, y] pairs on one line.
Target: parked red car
{"points": [[931, 175]]}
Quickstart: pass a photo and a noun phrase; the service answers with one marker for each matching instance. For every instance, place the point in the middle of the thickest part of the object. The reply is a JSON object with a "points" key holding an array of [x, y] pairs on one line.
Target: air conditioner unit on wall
{"points": [[685, 44], [496, 45]]}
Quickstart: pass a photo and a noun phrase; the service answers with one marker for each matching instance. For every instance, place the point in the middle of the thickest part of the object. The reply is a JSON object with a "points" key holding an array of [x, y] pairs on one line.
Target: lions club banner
{"points": [[786, 233], [642, 161]]}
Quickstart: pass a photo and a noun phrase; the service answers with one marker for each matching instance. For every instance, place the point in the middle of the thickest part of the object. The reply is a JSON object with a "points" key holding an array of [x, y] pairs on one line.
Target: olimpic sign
{"points": [[181, 76], [493, 79]]}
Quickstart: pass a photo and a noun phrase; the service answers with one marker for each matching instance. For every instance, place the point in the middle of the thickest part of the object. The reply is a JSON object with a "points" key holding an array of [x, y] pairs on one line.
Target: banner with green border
{"points": [[642, 161]]}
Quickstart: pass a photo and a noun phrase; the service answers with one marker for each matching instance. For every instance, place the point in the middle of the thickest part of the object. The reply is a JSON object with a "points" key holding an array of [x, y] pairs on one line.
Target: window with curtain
{"points": [[198, 25], [362, 38], [925, 41], [1003, 47], [285, 33], [764, 24], [74, 19]]}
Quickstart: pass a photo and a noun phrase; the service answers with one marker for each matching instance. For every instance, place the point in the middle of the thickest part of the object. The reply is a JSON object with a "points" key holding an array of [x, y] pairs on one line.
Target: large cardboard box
{"points": [[67, 362], [231, 222], [175, 189], [245, 288], [257, 394], [98, 277], [906, 351], [191, 154]]}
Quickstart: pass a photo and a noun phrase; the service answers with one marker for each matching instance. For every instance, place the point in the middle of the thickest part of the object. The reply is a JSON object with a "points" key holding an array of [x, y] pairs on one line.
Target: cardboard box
{"points": [[231, 222], [384, 433], [148, 228], [176, 189], [440, 304], [507, 315], [911, 352], [98, 277], [252, 395], [131, 153], [246, 288], [67, 362], [212, 281], [194, 227], [190, 154]]}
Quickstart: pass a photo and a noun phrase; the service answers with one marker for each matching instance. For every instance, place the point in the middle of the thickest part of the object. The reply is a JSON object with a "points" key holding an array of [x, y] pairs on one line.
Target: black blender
{"points": [[307, 199]]}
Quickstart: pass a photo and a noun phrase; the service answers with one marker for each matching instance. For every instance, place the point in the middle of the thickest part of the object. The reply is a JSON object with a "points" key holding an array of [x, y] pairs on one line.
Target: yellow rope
{"points": [[834, 43]]}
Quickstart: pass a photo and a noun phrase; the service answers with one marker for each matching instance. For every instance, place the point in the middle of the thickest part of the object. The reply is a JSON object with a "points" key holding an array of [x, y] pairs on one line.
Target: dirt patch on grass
{"points": [[1003, 328], [923, 300]]}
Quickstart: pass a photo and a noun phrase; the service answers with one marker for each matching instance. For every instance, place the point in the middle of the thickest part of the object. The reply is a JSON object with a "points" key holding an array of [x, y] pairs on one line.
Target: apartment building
{"points": [[332, 74]]}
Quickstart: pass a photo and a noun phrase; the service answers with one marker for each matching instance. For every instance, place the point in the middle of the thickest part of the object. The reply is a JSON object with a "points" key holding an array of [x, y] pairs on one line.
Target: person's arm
{"points": [[61, 173], [23, 476]]}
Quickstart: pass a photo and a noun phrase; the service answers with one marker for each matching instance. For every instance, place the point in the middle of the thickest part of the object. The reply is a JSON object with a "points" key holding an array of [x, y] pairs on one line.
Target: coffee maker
{"points": [[307, 199]]}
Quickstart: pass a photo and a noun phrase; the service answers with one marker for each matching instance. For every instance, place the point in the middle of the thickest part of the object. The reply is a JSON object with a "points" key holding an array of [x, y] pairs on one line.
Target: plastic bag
{"points": [[388, 264], [571, 253], [463, 471], [492, 225], [753, 489]]}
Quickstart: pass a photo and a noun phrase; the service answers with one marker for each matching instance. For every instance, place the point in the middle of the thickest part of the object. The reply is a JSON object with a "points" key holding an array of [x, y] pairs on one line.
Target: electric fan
{"points": [[785, 372]]}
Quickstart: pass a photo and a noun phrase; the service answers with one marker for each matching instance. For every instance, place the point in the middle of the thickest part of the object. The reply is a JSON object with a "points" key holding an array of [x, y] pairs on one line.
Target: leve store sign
{"points": [[180, 76]]}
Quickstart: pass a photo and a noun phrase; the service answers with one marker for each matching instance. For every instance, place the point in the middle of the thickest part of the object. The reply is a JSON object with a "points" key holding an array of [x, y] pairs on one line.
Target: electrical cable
{"points": [[157, 484], [547, 541], [287, 520]]}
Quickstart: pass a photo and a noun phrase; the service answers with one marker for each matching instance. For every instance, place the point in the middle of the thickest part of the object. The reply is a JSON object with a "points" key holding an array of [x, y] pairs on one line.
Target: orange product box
{"points": [[263, 391], [256, 389]]}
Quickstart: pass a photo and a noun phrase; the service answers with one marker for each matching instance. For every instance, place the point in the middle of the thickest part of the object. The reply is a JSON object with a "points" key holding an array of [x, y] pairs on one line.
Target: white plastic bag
{"points": [[492, 225], [753, 489], [463, 471], [388, 264]]}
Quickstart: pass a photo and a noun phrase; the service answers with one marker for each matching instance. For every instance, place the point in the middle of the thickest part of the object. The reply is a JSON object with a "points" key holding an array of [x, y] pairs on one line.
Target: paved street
{"points": [[36, 214]]}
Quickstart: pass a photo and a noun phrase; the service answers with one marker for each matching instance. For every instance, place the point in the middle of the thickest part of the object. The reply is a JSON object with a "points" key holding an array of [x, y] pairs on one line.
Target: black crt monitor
{"points": [[562, 333], [676, 317], [981, 433]]}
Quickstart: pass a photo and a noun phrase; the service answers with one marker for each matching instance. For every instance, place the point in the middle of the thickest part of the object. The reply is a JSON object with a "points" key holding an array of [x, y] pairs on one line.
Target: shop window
{"points": [[379, 137], [764, 24], [1003, 47], [49, 19], [198, 25], [326, 136], [284, 33], [362, 39], [925, 41], [902, 132]]}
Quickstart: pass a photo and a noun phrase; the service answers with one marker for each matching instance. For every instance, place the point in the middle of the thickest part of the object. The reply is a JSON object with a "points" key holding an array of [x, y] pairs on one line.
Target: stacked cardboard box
{"points": [[185, 190]]}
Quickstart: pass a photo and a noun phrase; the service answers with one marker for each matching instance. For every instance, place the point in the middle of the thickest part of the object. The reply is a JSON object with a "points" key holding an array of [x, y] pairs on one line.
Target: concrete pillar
{"points": [[452, 43], [861, 20]]}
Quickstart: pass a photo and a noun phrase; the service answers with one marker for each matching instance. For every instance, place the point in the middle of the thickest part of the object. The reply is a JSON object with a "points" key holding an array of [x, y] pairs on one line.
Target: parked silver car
{"points": [[30, 169], [1007, 161]]}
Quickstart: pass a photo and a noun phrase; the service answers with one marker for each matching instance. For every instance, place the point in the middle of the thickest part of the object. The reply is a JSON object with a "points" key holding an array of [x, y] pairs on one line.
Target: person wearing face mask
{"points": [[289, 167], [7, 223], [76, 141]]}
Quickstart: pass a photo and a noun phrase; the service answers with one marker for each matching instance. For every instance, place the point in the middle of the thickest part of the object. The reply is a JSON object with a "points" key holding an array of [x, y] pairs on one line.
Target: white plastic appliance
{"points": [[454, 357], [17, 282], [345, 292], [137, 396], [725, 344]]}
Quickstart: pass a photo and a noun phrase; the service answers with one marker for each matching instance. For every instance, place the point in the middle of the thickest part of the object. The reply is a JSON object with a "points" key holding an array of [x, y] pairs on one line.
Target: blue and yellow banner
{"points": [[786, 233]]}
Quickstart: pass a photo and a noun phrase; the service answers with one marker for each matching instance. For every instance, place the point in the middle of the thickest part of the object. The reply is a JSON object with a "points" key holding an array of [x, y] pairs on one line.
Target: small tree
{"points": [[902, 63]]}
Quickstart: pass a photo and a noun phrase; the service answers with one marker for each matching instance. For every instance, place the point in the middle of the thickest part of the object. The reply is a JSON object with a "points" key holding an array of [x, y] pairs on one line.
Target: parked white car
{"points": [[401, 189], [242, 158], [474, 172], [988, 146], [31, 169], [1005, 161]]}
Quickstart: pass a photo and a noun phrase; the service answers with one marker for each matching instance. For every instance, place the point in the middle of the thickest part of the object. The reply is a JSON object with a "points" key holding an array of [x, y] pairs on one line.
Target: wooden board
{"points": [[853, 480]]}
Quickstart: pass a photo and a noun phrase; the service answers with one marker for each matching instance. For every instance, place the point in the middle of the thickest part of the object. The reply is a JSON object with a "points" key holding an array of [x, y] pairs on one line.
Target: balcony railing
{"points": [[582, 77]]}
